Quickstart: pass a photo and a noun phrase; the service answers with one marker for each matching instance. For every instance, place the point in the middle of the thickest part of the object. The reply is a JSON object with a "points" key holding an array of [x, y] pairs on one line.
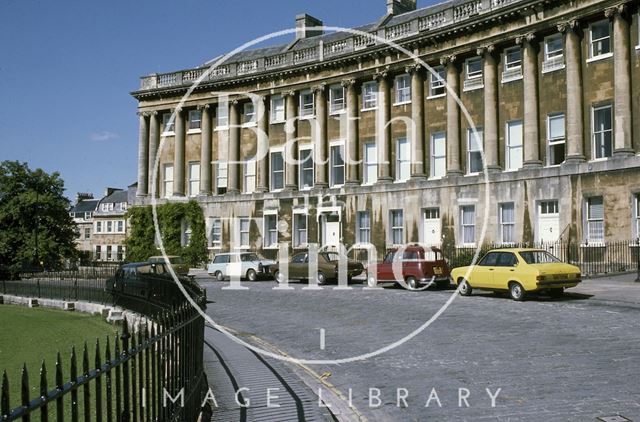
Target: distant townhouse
{"points": [[82, 213], [110, 226]]}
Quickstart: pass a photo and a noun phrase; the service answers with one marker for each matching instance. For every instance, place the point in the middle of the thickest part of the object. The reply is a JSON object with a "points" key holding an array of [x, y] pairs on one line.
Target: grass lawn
{"points": [[29, 335]]}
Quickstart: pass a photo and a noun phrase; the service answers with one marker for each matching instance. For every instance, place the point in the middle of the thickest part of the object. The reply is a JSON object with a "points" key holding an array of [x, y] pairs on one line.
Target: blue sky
{"points": [[67, 67]]}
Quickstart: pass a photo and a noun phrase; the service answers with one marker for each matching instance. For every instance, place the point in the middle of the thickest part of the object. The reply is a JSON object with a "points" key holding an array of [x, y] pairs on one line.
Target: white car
{"points": [[245, 265]]}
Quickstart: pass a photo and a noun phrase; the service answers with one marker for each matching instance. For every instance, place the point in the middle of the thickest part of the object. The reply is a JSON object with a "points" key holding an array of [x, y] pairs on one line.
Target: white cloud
{"points": [[103, 136]]}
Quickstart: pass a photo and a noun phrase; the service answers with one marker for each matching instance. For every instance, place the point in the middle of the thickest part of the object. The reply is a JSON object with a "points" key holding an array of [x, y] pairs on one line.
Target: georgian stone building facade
{"points": [[542, 144]]}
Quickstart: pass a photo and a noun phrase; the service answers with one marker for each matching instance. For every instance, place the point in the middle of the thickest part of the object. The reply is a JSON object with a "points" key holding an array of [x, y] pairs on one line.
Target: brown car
{"points": [[328, 267], [179, 266]]}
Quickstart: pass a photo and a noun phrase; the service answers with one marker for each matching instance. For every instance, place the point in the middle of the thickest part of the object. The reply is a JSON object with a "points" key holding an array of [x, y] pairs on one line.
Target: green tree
{"points": [[36, 230]]}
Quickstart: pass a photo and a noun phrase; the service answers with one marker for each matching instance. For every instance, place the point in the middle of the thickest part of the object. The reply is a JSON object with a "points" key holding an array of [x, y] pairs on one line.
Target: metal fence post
{"points": [[638, 259]]}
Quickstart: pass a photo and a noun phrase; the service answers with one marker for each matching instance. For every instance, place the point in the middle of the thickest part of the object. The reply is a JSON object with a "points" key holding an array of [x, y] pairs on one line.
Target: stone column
{"points": [[453, 116], [291, 137], [154, 141], [417, 116], [233, 186], [383, 128], [205, 150], [321, 158], [623, 146], [143, 154], [490, 73], [531, 115], [574, 116], [178, 157], [351, 159], [262, 147]]}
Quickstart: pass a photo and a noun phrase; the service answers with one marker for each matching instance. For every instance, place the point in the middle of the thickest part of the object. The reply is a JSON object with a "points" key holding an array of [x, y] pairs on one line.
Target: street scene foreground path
{"points": [[486, 358]]}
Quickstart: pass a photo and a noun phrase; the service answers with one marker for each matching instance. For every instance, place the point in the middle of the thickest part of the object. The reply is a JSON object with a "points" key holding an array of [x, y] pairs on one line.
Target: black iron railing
{"points": [[153, 373]]}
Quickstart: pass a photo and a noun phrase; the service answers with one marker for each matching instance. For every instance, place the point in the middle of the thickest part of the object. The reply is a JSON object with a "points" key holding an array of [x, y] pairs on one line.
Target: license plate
{"points": [[437, 270]]}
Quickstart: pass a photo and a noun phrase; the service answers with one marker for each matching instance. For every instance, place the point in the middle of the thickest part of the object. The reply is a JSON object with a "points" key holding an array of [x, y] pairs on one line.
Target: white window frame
{"points": [[369, 95], [553, 141], [463, 225], [277, 114], [216, 229], [272, 151], [98, 228], [222, 175], [437, 82], [471, 135], [636, 201], [249, 114], [592, 42], [553, 59], [244, 232], [434, 157], [120, 227], [307, 110], [512, 70], [332, 166], [393, 229], [591, 222], [302, 169], [509, 146], [601, 133], [249, 175], [337, 103], [167, 182], [403, 163], [402, 86], [370, 160], [299, 215], [473, 79], [222, 115], [194, 178], [363, 233], [195, 121], [268, 215], [507, 225], [168, 126]]}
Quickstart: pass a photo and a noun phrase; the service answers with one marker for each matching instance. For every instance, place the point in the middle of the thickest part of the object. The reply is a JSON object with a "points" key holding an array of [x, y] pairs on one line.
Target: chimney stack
{"points": [[305, 21], [398, 7], [82, 196]]}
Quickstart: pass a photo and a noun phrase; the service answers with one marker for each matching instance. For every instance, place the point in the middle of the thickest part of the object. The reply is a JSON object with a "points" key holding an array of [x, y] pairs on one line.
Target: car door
{"points": [[297, 266], [482, 275], [505, 270], [385, 268]]}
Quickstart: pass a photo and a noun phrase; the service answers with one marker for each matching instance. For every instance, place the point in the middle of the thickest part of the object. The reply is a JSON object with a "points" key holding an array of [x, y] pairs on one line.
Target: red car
{"points": [[416, 265]]}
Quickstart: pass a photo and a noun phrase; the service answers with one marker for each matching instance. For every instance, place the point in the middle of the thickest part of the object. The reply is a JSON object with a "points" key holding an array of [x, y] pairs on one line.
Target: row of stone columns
{"points": [[150, 124]]}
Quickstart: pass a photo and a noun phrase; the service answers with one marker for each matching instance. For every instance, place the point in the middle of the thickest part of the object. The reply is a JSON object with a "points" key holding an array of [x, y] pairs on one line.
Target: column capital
{"points": [[319, 88], [234, 102], [202, 107], [143, 113], [570, 25], [381, 74], [447, 60], [526, 38], [617, 10], [413, 68], [290, 93], [485, 49], [347, 83]]}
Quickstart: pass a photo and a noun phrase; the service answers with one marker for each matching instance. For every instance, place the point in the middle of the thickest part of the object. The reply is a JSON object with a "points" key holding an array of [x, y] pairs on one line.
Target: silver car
{"points": [[244, 265]]}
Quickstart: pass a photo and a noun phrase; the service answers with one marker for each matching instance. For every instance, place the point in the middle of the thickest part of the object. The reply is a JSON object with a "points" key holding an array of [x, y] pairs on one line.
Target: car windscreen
{"points": [[248, 257], [331, 256], [538, 257]]}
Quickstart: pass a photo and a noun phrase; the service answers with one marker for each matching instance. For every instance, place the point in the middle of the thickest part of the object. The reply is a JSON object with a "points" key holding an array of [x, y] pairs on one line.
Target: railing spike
{"points": [[24, 387], [43, 380], [85, 360], [5, 407], [98, 359], [107, 353]]}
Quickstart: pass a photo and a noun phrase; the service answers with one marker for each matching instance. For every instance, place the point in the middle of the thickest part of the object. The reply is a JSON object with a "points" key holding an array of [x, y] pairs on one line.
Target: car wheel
{"points": [[412, 283], [465, 288], [556, 292], [321, 278], [371, 281], [252, 275], [279, 277], [219, 276], [516, 291]]}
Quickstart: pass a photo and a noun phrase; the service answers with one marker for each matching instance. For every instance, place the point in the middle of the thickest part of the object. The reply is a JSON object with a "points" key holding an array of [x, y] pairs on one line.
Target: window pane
{"points": [[370, 163], [596, 208], [556, 126], [337, 165]]}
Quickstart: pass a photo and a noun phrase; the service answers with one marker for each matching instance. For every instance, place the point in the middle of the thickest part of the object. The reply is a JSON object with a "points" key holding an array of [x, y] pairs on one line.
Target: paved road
{"points": [[570, 359]]}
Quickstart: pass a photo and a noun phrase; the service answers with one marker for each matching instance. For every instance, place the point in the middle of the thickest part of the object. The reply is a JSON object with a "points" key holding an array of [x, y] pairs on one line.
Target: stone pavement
{"points": [[569, 359]]}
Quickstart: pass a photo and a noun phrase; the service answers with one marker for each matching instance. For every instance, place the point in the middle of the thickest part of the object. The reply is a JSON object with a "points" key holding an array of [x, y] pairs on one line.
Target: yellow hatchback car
{"points": [[518, 271]]}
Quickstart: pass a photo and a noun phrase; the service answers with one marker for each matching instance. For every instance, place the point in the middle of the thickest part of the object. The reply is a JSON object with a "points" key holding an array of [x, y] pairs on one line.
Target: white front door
{"points": [[330, 230], [431, 227], [548, 227]]}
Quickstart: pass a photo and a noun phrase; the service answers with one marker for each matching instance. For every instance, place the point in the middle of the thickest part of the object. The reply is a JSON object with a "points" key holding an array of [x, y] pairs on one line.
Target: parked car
{"points": [[178, 264], [328, 267], [245, 265], [518, 271], [416, 265]]}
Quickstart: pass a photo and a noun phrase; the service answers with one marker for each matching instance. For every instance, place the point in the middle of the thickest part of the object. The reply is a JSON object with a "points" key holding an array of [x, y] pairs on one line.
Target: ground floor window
{"points": [[363, 230], [637, 219], [120, 253], [270, 231], [507, 223], [216, 232], [595, 220], [300, 230], [468, 224], [396, 229], [243, 229]]}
